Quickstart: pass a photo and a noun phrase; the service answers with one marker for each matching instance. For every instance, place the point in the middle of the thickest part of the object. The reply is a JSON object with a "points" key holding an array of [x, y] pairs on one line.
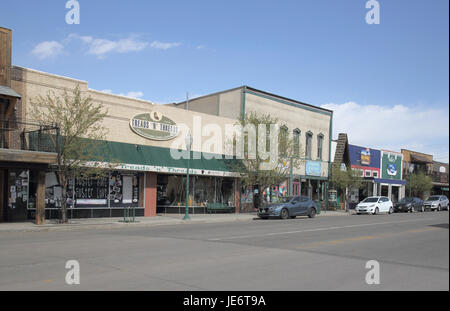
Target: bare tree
{"points": [[81, 146], [254, 172]]}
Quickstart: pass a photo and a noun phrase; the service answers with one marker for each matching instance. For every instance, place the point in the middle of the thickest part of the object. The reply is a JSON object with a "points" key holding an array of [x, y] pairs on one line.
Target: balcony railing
{"points": [[29, 136]]}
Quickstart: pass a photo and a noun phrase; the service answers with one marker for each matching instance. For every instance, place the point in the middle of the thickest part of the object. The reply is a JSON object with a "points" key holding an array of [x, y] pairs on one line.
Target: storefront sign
{"points": [[365, 156], [313, 168], [391, 165], [154, 125]]}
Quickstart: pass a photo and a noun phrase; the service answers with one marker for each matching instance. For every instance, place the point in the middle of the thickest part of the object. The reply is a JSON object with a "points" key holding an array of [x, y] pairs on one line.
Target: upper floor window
{"points": [[296, 142], [319, 146], [284, 132], [309, 136]]}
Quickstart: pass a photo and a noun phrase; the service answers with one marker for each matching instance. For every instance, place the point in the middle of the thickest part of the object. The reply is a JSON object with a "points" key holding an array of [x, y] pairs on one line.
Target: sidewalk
{"points": [[117, 222]]}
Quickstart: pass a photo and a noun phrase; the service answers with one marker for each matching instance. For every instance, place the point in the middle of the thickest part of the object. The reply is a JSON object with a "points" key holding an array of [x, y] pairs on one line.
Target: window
{"points": [[308, 144], [283, 140], [368, 173], [296, 142], [319, 146], [375, 174]]}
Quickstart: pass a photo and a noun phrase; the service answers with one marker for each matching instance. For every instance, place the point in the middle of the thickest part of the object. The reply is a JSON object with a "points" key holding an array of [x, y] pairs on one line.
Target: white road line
{"points": [[316, 229]]}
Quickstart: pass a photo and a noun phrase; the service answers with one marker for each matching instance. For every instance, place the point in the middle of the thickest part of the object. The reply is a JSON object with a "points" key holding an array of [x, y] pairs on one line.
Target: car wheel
{"points": [[412, 210], [422, 209], [376, 211], [312, 213], [284, 214], [390, 210], [439, 208]]}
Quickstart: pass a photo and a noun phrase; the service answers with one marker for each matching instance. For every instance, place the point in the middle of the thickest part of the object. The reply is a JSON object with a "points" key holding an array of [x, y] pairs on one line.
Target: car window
{"points": [[305, 199], [296, 199]]}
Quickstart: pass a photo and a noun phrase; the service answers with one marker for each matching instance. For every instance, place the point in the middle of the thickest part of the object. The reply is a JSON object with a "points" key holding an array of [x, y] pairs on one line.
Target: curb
{"points": [[118, 225]]}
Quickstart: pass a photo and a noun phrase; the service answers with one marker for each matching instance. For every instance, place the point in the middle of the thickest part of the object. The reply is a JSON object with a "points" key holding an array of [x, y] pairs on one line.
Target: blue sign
{"points": [[313, 168]]}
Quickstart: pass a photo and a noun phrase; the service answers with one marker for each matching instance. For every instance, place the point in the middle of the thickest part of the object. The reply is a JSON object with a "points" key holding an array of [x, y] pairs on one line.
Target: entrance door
{"points": [[17, 195], [296, 188]]}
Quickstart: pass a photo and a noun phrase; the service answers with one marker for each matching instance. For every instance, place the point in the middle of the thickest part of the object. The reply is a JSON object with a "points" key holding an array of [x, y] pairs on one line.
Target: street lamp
{"points": [[410, 169], [188, 148]]}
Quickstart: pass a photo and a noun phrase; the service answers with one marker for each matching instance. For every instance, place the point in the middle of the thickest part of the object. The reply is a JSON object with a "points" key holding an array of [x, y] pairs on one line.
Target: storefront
{"points": [[366, 162], [391, 183]]}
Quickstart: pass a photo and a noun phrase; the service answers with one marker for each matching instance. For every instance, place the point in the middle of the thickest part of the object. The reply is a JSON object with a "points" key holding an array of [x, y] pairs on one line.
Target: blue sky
{"points": [[387, 83]]}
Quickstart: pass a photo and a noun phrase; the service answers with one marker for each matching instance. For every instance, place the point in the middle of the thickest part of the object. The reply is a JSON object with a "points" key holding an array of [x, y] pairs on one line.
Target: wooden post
{"points": [[40, 197]]}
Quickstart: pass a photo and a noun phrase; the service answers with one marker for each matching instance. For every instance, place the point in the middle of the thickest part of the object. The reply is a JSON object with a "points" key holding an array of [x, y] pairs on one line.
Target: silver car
{"points": [[436, 203]]}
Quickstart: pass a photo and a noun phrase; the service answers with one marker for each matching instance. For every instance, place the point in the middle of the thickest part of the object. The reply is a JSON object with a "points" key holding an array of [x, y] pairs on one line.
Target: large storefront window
{"points": [[171, 191], [117, 189]]}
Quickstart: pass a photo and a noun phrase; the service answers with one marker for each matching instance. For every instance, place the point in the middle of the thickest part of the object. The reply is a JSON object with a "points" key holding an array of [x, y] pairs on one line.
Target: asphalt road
{"points": [[325, 253]]}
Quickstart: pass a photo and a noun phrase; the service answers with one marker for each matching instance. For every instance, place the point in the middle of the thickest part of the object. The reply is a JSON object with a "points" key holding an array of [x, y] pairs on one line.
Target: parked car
{"points": [[375, 205], [409, 204], [289, 207], [436, 203]]}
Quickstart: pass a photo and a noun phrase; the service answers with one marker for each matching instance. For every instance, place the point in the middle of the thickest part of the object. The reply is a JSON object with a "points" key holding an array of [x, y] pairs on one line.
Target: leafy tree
{"points": [[253, 167], [419, 183], [342, 179], [80, 139]]}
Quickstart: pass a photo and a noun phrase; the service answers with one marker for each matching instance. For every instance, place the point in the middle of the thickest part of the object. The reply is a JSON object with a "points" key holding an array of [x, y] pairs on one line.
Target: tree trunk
{"points": [[63, 183]]}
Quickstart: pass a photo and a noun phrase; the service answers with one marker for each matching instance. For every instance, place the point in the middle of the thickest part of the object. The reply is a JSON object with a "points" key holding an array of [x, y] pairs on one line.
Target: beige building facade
{"points": [[312, 125]]}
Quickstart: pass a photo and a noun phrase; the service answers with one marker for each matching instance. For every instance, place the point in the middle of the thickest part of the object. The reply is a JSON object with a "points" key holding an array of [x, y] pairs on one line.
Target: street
{"points": [[324, 253]]}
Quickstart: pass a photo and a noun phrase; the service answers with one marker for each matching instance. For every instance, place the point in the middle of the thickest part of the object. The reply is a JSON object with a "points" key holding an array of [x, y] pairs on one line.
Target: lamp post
{"points": [[410, 169], [188, 148]]}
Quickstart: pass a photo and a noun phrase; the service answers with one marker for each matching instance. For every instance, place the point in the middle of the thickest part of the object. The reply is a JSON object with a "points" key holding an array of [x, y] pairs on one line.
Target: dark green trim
{"points": [[290, 103]]}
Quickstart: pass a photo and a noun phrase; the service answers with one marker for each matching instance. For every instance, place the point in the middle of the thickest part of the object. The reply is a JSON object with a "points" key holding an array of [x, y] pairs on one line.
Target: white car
{"points": [[375, 205]]}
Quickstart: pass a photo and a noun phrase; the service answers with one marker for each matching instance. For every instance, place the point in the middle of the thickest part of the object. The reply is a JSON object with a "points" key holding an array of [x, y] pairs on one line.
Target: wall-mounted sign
{"points": [[313, 168], [154, 125], [365, 156], [391, 165]]}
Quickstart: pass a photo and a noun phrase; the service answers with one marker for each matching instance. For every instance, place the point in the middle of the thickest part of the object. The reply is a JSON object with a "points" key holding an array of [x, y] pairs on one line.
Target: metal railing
{"points": [[20, 135]]}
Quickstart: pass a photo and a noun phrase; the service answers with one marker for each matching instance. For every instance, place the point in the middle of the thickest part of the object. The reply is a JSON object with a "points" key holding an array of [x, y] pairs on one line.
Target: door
{"points": [[295, 209], [304, 204], [17, 195], [296, 188]]}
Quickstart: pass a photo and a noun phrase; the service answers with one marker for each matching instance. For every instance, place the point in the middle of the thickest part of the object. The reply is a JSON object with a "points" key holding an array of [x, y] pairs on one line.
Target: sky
{"points": [[387, 83]]}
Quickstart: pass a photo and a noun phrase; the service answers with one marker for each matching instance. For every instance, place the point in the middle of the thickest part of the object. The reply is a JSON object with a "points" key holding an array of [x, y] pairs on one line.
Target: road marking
{"points": [[364, 238], [316, 229]]}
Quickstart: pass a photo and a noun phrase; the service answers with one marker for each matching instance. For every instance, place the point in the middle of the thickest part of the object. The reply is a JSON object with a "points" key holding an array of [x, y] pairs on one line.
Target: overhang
{"points": [[7, 91]]}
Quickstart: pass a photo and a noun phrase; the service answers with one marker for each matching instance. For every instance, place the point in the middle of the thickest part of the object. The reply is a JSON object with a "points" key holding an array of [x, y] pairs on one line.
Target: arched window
{"points": [[319, 146], [296, 142], [284, 132], [309, 137]]}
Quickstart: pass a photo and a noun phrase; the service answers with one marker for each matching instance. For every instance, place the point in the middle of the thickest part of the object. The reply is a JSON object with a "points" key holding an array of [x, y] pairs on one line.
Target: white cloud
{"points": [[100, 47], [393, 128], [164, 45], [48, 49], [131, 94]]}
